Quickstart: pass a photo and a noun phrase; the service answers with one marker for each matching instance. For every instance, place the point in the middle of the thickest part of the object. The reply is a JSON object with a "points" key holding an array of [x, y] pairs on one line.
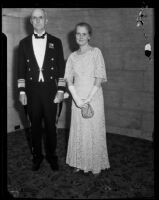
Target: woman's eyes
{"points": [[84, 34], [34, 18]]}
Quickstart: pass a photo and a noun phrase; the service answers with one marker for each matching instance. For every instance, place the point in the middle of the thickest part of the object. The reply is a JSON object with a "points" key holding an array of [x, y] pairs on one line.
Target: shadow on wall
{"points": [[67, 113], [73, 46], [28, 26]]}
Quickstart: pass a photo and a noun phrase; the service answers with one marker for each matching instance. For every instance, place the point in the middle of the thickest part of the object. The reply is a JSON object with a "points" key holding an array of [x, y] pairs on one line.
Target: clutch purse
{"points": [[87, 112]]}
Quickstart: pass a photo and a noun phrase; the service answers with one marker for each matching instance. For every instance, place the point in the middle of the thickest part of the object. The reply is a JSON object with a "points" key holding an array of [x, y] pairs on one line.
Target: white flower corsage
{"points": [[51, 45]]}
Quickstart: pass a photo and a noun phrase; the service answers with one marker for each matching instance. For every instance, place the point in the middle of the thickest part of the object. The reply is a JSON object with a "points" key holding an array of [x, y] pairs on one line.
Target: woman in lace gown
{"points": [[84, 73]]}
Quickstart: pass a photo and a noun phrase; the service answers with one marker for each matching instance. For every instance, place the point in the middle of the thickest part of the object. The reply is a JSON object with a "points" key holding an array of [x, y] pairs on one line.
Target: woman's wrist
{"points": [[88, 100]]}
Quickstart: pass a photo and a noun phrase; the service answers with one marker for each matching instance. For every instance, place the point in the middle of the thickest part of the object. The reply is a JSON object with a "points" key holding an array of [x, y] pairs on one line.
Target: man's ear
{"points": [[46, 21]]}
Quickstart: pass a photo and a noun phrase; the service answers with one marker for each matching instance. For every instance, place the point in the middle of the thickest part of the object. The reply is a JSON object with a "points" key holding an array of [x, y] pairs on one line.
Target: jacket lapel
{"points": [[49, 51], [31, 50], [46, 51]]}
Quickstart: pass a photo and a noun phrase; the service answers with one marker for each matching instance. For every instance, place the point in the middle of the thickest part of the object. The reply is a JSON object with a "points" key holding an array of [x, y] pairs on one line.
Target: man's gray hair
{"points": [[44, 11]]}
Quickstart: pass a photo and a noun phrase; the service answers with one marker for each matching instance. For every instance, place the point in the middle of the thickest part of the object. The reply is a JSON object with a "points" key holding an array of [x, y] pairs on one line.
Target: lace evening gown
{"points": [[87, 146]]}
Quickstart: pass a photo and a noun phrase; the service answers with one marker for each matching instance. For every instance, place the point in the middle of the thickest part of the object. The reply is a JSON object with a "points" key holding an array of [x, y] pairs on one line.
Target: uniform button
{"points": [[50, 77], [52, 58], [29, 69], [30, 78], [27, 60], [52, 68]]}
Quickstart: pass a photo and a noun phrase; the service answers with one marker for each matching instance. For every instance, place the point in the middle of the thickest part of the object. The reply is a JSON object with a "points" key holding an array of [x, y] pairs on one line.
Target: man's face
{"points": [[38, 20]]}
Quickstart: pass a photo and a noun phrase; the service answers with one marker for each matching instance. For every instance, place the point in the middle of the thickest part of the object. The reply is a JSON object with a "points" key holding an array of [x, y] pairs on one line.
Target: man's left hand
{"points": [[59, 97]]}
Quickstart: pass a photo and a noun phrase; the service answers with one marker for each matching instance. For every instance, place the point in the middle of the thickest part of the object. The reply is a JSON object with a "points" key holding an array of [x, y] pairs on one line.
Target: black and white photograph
{"points": [[79, 102]]}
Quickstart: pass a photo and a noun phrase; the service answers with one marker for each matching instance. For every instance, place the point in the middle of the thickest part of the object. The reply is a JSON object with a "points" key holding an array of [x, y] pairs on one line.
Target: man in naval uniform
{"points": [[41, 69]]}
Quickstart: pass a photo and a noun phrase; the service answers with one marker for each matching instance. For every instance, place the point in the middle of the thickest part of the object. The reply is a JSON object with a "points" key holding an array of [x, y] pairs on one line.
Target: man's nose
{"points": [[37, 20]]}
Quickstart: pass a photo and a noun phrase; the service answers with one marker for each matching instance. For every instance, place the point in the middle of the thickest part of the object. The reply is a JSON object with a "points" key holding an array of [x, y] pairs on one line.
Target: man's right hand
{"points": [[23, 99]]}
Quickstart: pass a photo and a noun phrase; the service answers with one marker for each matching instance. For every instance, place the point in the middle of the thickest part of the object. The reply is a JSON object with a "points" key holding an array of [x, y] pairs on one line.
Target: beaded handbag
{"points": [[87, 112]]}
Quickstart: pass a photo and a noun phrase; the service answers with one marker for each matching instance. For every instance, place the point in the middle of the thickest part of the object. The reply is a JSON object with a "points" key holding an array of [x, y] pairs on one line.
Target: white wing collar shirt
{"points": [[39, 47]]}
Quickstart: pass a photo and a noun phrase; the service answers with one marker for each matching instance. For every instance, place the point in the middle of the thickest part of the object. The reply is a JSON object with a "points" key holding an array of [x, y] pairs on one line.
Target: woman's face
{"points": [[82, 35]]}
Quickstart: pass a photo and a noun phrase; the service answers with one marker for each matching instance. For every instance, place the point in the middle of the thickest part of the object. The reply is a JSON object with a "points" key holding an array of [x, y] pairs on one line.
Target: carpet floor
{"points": [[131, 173]]}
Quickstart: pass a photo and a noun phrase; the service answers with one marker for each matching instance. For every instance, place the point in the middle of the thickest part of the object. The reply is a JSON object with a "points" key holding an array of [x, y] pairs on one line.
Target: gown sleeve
{"points": [[69, 72], [100, 69]]}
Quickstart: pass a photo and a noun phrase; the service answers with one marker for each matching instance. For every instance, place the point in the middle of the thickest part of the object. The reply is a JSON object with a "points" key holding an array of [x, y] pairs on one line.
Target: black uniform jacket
{"points": [[53, 66]]}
